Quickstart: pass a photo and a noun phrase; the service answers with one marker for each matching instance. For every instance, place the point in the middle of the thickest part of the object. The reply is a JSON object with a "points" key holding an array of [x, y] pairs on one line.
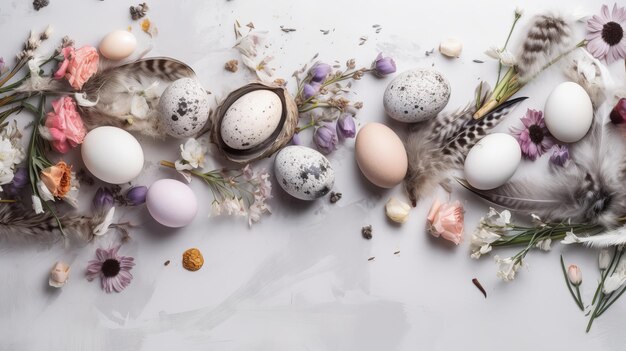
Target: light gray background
{"points": [[300, 279]]}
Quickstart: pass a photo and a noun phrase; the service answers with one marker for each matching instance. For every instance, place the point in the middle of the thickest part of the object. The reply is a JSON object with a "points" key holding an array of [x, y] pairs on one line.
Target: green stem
{"points": [[517, 17], [569, 286], [580, 299], [593, 316]]}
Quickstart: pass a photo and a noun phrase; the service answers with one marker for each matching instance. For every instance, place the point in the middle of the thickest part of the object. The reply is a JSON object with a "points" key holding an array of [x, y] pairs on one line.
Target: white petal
{"points": [[103, 227], [37, 204], [139, 106], [81, 100]]}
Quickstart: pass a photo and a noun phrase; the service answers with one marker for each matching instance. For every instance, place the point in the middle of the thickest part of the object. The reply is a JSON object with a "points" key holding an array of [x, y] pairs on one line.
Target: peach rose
{"points": [[82, 66], [446, 220], [68, 55], [64, 126], [58, 179]]}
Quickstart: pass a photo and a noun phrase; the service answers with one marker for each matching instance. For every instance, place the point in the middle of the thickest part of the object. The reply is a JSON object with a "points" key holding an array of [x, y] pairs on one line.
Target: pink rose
{"points": [[446, 220], [64, 125], [82, 66], [68, 55]]}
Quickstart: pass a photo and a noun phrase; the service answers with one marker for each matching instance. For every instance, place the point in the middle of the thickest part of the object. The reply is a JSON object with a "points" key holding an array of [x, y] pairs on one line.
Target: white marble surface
{"points": [[301, 279]]}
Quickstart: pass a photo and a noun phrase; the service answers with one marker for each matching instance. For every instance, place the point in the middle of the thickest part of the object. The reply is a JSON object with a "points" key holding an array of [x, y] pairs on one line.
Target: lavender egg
{"points": [[171, 203], [183, 108], [303, 172]]}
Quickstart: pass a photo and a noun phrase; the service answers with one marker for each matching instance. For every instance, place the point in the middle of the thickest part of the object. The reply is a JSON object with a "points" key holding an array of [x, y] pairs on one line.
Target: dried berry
{"points": [[139, 11], [39, 4], [166, 263], [232, 66], [334, 197], [618, 114], [367, 232], [192, 259]]}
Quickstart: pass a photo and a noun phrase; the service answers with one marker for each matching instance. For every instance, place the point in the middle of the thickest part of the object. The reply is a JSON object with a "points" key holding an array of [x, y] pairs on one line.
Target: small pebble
{"points": [[232, 66], [39, 4], [334, 197], [367, 232], [139, 11], [166, 263]]}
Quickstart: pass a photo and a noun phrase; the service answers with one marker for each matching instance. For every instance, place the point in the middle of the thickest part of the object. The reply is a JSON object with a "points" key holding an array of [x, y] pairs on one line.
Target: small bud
{"points": [[574, 275], [383, 66], [103, 199], [59, 274], [136, 195], [451, 47], [325, 138], [397, 210], [320, 72], [604, 260], [345, 126], [310, 90]]}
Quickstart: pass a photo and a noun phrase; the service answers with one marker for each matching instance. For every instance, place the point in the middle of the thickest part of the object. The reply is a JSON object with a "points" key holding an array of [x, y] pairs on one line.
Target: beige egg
{"points": [[118, 45], [381, 156]]}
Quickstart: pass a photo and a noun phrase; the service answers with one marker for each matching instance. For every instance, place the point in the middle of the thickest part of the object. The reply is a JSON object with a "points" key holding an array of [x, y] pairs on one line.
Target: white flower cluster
{"points": [[191, 157], [490, 229], [11, 153]]}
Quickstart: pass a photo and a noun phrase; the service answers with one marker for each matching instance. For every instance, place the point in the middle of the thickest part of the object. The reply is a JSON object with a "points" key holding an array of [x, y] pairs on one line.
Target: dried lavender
{"points": [[39, 4], [334, 197], [366, 232]]}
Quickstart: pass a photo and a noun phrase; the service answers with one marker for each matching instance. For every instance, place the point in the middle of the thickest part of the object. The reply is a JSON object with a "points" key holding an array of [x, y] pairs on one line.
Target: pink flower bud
{"points": [[574, 275]]}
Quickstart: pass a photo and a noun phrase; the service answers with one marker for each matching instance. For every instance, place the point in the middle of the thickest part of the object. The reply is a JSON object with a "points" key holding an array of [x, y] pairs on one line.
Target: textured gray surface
{"points": [[300, 279]]}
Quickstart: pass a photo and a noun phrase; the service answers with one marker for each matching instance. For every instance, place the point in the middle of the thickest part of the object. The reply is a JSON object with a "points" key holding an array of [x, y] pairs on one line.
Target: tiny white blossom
{"points": [[570, 238], [604, 259], [617, 279], [505, 57], [507, 268], [544, 244], [519, 11], [192, 155]]}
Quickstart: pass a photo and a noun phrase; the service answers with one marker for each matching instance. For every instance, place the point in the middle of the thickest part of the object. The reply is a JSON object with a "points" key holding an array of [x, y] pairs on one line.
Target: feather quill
{"points": [[548, 37], [611, 238], [438, 146]]}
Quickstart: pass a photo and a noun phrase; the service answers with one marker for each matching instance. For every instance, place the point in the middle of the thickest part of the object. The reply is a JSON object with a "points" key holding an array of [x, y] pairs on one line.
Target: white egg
{"points": [[118, 45], [183, 108], [251, 119], [303, 173], [568, 112], [112, 155], [492, 161]]}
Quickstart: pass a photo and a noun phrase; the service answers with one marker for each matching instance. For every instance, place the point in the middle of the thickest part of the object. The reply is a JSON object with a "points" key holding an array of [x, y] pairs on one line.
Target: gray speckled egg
{"points": [[303, 172], [416, 95], [251, 119], [183, 108]]}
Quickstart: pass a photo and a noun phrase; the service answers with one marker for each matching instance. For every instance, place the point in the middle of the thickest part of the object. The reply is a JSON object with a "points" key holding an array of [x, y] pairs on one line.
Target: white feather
{"points": [[611, 238]]}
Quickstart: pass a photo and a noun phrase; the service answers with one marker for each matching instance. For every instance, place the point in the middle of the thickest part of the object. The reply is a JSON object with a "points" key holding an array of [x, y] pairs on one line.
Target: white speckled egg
{"points": [[184, 108], [251, 119], [568, 112], [492, 161], [303, 172], [416, 95]]}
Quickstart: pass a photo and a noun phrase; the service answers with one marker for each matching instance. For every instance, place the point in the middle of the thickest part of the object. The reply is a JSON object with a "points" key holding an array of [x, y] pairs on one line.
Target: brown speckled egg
{"points": [[251, 120]]}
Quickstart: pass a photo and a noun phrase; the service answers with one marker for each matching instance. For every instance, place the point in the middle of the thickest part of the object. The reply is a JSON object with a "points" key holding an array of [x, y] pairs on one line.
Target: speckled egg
{"points": [[251, 119], [184, 108], [416, 95], [303, 172]]}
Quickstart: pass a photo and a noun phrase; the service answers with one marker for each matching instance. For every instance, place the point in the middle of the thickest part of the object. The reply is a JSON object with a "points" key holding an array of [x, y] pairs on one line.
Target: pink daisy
{"points": [[605, 34], [534, 138], [113, 270]]}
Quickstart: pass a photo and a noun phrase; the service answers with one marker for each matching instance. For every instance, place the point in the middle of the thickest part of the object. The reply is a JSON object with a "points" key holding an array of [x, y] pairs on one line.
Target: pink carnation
{"points": [[78, 65], [64, 125], [446, 220]]}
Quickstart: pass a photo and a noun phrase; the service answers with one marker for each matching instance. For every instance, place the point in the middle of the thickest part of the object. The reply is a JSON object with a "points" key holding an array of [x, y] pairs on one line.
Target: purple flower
{"points": [[310, 89], [618, 114], [605, 34], [560, 155], [103, 199], [136, 195], [320, 72], [20, 180], [534, 138], [295, 139], [383, 66], [345, 126], [325, 138], [113, 270]]}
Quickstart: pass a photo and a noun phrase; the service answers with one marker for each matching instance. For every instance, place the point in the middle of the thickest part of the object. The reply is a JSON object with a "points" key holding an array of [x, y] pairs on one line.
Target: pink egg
{"points": [[171, 203]]}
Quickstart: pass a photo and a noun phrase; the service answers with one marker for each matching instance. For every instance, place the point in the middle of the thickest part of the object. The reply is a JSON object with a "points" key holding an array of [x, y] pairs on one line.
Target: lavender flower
{"points": [[310, 89], [325, 138], [345, 126], [320, 72], [103, 199], [20, 180], [136, 195], [534, 138], [560, 155], [295, 139], [113, 270], [383, 66]]}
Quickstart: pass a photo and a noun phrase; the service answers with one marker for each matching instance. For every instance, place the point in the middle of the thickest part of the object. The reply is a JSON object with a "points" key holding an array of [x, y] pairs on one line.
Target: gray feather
{"points": [[114, 88]]}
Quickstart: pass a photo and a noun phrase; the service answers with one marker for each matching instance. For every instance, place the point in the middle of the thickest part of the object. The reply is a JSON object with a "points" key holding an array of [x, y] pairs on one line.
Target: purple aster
{"points": [[560, 155], [605, 34], [534, 138], [113, 270], [320, 72], [325, 138]]}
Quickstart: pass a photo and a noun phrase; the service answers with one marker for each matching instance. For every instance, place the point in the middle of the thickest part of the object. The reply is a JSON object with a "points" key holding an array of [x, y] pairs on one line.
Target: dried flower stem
{"points": [[517, 17]]}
